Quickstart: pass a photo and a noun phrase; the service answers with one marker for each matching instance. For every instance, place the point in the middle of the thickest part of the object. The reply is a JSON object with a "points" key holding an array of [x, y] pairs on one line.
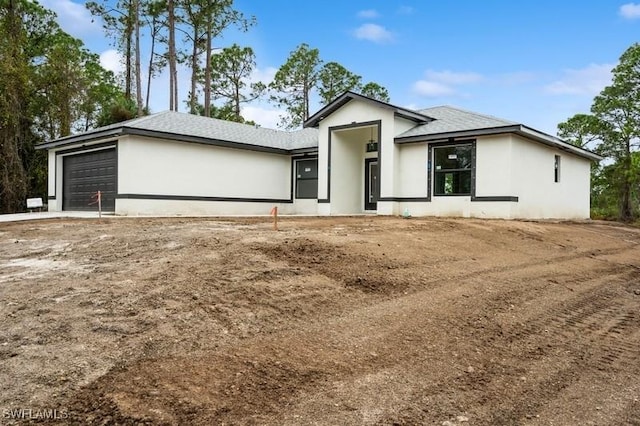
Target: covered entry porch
{"points": [[353, 168]]}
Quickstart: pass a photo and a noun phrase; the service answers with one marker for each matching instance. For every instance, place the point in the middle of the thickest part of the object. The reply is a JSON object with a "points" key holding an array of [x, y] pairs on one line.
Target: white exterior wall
{"points": [[151, 166], [493, 177], [131, 207], [411, 170], [493, 166], [533, 181], [53, 204], [157, 166], [347, 166]]}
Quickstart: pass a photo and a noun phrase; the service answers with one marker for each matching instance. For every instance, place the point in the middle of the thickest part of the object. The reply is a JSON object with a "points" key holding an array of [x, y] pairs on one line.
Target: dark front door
{"points": [[84, 175], [371, 189]]}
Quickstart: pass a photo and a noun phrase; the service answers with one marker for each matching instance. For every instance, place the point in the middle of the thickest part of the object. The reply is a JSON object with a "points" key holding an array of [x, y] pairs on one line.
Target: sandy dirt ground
{"points": [[330, 321]]}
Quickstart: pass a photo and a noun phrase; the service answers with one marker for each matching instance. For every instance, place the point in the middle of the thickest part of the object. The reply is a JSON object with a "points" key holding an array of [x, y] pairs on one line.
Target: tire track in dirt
{"points": [[594, 315]]}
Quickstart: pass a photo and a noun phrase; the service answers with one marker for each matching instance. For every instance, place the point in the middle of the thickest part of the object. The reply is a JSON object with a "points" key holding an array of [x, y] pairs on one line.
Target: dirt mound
{"points": [[372, 272]]}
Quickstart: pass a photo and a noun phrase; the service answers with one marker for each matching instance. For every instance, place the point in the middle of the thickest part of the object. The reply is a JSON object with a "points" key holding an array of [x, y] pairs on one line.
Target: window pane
{"points": [[453, 183], [453, 157], [307, 188], [307, 169]]}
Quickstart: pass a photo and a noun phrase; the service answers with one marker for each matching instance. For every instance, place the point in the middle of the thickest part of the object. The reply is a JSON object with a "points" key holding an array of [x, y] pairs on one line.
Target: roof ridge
{"points": [[139, 119], [479, 114]]}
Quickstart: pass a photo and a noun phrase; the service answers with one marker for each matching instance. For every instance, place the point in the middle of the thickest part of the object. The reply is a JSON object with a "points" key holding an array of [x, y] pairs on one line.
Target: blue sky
{"points": [[535, 62]]}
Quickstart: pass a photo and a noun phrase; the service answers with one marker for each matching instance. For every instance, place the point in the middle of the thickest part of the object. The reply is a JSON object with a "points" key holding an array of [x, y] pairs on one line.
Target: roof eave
{"points": [[558, 143], [456, 135], [122, 131], [84, 137], [516, 129], [202, 140], [307, 150]]}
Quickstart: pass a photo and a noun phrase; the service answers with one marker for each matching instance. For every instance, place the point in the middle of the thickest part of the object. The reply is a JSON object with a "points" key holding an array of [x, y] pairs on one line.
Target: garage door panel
{"points": [[85, 175]]}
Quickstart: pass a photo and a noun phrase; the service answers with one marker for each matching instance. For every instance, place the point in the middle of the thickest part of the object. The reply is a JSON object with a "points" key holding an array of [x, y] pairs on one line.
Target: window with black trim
{"points": [[307, 178], [452, 169], [556, 169]]}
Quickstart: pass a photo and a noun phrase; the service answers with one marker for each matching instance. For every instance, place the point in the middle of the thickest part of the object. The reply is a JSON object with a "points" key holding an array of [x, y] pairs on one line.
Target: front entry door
{"points": [[371, 189]]}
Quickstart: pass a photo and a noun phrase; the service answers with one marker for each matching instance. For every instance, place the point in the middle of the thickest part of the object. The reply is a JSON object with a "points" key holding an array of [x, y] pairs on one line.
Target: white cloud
{"points": [[368, 14], [432, 89], [112, 60], [411, 106], [264, 117], [74, 18], [373, 32], [630, 11], [589, 80], [443, 83], [265, 75]]}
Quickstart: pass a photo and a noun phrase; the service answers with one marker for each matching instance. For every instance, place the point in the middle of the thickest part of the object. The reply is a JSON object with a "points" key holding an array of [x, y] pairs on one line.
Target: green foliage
{"points": [[49, 85], [334, 80], [375, 91], [119, 109], [230, 71], [293, 84], [204, 21], [225, 112], [303, 73], [24, 36], [613, 128]]}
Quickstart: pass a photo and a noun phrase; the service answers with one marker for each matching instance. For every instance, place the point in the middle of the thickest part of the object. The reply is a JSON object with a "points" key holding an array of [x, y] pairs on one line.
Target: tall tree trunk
{"points": [[306, 102], [136, 24], [173, 71], [151, 57], [207, 70], [626, 209], [193, 98], [236, 102], [128, 48]]}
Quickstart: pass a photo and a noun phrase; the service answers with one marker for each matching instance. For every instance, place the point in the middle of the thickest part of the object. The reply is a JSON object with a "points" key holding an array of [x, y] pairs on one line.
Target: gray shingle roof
{"points": [[194, 126], [450, 119], [177, 126]]}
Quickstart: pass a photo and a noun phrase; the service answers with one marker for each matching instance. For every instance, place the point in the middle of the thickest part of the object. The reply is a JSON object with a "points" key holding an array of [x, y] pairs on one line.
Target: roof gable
{"points": [[348, 96]]}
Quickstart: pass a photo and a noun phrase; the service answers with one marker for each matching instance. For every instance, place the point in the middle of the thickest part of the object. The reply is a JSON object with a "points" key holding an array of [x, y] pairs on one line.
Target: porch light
{"points": [[372, 146]]}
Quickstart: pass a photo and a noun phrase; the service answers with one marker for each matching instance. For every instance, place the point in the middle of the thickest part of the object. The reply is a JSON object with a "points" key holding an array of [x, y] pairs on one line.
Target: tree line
{"points": [[185, 32], [612, 129], [51, 85]]}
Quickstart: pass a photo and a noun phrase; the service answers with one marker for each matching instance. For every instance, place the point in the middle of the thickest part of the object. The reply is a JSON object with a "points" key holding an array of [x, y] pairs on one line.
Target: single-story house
{"points": [[356, 155]]}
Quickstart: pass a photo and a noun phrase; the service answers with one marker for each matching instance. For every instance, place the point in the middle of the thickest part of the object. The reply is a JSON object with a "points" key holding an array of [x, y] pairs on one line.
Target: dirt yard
{"points": [[340, 321]]}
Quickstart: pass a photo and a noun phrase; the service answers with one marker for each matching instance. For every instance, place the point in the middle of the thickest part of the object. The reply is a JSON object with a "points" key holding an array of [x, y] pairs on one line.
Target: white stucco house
{"points": [[356, 155]]}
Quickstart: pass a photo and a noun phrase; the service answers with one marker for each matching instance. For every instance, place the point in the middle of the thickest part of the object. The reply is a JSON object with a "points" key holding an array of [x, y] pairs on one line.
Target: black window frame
{"points": [[299, 177], [470, 170], [557, 162]]}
